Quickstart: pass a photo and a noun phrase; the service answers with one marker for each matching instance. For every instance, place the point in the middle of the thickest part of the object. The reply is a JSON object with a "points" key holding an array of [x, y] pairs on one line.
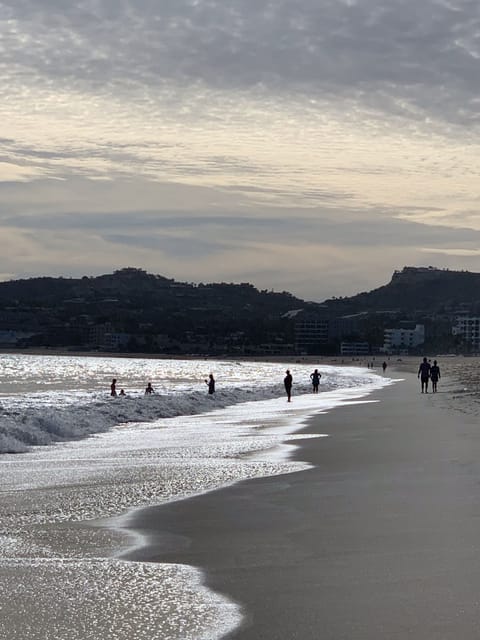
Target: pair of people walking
{"points": [[427, 372]]}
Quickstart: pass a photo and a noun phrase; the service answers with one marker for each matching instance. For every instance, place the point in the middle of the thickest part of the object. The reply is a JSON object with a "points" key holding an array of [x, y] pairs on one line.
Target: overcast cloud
{"points": [[313, 146]]}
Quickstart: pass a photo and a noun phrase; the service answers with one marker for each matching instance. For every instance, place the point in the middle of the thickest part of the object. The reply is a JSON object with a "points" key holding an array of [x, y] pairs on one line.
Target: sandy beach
{"points": [[379, 539], [370, 532], [76, 463]]}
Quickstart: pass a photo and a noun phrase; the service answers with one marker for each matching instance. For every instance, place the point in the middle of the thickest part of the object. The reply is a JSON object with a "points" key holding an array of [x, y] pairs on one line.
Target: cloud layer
{"points": [[307, 145]]}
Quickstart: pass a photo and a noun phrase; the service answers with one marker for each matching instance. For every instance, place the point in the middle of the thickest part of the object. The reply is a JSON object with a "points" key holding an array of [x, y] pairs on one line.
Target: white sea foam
{"points": [[141, 451], [68, 399]]}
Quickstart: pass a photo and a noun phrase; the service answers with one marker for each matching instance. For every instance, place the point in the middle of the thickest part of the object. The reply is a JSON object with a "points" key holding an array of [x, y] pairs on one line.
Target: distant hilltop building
{"points": [[415, 271]]}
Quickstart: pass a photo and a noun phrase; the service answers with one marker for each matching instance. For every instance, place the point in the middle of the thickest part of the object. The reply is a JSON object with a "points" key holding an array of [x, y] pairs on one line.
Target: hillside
{"points": [[150, 312], [417, 289], [138, 290], [131, 310]]}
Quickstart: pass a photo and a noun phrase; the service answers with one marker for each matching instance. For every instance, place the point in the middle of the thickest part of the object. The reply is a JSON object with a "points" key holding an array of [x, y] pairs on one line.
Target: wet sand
{"points": [[381, 539]]}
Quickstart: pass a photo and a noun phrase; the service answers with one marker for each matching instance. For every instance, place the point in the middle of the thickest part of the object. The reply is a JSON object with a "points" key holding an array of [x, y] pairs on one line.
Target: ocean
{"points": [[75, 463]]}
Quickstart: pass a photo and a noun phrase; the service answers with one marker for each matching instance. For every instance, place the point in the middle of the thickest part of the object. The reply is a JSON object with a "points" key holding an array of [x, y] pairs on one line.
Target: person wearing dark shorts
{"points": [[424, 374]]}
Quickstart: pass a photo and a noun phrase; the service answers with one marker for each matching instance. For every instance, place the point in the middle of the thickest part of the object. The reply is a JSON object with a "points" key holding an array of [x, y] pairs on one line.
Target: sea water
{"points": [[71, 454]]}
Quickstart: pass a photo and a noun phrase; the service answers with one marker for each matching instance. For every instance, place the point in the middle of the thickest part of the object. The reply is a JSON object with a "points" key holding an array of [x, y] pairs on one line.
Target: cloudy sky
{"points": [[312, 146]]}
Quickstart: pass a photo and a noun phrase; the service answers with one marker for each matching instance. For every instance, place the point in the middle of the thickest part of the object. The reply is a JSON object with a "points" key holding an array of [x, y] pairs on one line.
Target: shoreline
{"points": [[64, 489], [365, 526], [286, 358], [80, 542], [395, 362]]}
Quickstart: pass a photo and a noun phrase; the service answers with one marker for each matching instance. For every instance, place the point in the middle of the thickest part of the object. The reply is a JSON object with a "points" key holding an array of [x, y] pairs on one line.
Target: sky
{"points": [[311, 146]]}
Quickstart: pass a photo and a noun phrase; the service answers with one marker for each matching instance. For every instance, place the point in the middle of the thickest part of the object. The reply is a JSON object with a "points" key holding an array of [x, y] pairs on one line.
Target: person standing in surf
{"points": [[315, 378], [211, 384], [288, 381], [113, 387]]}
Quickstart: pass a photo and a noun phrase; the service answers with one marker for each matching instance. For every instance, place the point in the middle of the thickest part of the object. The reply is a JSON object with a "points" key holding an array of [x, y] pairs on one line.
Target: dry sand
{"points": [[380, 539]]}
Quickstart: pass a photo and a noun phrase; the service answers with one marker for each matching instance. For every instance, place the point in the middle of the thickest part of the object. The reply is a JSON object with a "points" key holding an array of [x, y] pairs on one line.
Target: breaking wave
{"points": [[42, 425]]}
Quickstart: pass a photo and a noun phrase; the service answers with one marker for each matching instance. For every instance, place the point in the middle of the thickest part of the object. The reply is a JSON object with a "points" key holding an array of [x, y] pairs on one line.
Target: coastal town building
{"points": [[311, 332], [403, 338], [314, 331], [468, 329], [354, 348]]}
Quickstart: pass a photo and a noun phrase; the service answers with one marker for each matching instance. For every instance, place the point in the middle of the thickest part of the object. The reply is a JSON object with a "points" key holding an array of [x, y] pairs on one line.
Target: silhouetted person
{"points": [[384, 366], [149, 389], [435, 375], [211, 384], [122, 392], [315, 378], [113, 387], [424, 374], [288, 381]]}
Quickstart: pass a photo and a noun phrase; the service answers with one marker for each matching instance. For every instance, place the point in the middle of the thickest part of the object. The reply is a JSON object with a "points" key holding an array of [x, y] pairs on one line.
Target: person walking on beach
{"points": [[149, 389], [434, 375], [315, 378], [384, 366], [113, 387], [210, 384], [424, 374], [288, 381]]}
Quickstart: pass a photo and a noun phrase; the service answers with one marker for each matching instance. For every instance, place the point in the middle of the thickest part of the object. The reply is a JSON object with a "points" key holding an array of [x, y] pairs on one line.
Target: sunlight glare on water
{"points": [[102, 456]]}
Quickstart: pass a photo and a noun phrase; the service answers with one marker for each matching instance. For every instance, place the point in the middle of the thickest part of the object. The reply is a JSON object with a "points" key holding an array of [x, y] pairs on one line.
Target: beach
{"points": [[379, 538], [348, 513], [76, 464]]}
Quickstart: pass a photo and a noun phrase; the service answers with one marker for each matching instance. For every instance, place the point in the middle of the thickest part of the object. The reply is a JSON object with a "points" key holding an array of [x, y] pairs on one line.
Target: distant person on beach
{"points": [[210, 384], [149, 389], [434, 375], [384, 366], [113, 387], [315, 378], [288, 381], [424, 374]]}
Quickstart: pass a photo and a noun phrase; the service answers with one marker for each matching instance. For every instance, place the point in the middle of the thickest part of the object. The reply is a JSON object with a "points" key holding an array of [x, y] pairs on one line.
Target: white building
{"points": [[468, 327], [403, 339]]}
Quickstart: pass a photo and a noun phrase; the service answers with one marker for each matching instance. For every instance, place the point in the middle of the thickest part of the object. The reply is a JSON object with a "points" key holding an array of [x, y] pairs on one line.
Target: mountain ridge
{"points": [[133, 310]]}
